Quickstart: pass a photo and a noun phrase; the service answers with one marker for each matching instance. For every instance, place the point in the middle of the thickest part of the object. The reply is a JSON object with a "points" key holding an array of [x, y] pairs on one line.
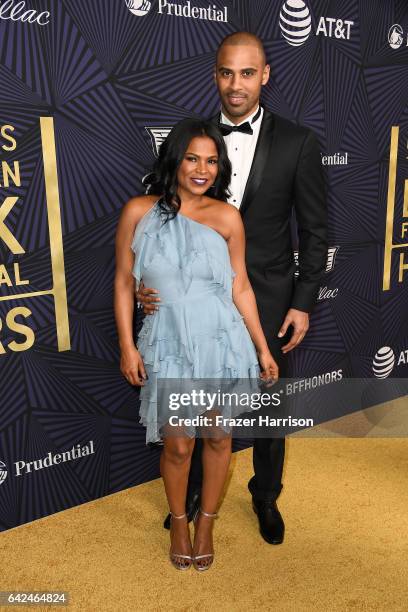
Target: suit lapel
{"points": [[260, 158]]}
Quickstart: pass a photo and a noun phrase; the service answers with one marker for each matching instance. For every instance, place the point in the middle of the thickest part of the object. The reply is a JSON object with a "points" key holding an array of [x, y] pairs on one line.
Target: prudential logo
{"points": [[395, 36], [185, 10], [139, 7], [295, 22]]}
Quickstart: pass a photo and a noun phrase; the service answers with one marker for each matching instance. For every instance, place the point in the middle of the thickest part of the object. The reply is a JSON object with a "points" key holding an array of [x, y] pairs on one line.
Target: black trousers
{"points": [[268, 453]]}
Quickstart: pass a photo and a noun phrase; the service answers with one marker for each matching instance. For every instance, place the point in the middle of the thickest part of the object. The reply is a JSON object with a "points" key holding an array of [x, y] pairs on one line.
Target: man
{"points": [[276, 166]]}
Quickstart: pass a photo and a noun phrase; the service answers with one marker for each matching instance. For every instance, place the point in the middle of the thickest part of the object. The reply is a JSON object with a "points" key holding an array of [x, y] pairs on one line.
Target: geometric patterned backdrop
{"points": [[114, 75]]}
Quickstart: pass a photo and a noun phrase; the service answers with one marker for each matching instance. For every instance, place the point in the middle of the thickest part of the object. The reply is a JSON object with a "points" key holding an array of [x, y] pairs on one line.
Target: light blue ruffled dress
{"points": [[197, 333]]}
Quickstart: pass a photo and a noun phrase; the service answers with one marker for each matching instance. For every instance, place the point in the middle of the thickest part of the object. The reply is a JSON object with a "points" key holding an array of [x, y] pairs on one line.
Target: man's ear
{"points": [[266, 74]]}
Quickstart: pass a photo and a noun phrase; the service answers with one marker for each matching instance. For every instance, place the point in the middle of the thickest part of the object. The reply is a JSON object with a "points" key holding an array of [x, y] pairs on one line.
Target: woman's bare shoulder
{"points": [[224, 211], [225, 217], [217, 205], [138, 206]]}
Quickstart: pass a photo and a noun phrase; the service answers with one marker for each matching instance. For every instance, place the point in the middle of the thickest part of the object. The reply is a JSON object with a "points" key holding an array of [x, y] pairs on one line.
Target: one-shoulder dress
{"points": [[197, 332]]}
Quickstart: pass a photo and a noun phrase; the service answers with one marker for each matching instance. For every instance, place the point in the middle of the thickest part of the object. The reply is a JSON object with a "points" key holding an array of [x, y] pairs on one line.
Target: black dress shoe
{"points": [[271, 523], [192, 507]]}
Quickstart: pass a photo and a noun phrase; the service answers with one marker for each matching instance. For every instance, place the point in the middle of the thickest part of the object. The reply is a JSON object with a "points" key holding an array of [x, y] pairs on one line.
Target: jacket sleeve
{"points": [[311, 218]]}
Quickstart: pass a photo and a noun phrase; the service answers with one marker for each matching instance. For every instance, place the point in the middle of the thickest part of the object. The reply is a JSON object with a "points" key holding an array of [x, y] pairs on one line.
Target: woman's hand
{"points": [[132, 366], [270, 369]]}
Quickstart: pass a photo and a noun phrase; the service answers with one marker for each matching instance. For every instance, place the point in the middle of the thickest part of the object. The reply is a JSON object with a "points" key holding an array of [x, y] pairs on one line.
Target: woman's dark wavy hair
{"points": [[171, 154]]}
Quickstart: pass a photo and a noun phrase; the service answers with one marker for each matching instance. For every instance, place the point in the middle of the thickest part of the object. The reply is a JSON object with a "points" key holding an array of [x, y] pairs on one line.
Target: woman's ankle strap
{"points": [[209, 514], [180, 516]]}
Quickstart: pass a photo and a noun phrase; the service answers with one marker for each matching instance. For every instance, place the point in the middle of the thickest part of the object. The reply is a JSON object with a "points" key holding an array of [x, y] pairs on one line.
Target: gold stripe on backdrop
{"points": [[55, 230], [390, 207]]}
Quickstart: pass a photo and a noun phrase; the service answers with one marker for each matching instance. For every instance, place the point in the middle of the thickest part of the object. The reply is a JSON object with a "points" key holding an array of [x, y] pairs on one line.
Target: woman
{"points": [[191, 247]]}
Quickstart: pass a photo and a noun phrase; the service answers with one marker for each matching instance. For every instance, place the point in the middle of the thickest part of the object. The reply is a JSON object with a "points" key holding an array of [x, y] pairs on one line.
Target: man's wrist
{"points": [[302, 310]]}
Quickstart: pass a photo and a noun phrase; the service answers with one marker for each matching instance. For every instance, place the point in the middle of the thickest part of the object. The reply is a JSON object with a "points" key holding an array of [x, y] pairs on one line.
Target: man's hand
{"points": [[146, 296], [300, 322]]}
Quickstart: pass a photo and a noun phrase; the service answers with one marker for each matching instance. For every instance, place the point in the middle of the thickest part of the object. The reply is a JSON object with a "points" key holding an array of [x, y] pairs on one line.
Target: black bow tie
{"points": [[245, 128]]}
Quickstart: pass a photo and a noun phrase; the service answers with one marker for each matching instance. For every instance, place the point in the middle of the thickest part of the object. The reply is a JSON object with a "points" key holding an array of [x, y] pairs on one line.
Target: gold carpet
{"points": [[345, 504]]}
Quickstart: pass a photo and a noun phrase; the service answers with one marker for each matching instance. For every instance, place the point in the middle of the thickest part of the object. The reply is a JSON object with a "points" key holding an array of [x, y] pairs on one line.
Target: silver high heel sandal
{"points": [[210, 556], [177, 559]]}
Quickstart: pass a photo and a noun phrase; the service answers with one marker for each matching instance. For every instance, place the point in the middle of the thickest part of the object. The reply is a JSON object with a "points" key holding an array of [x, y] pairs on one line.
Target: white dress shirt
{"points": [[241, 149]]}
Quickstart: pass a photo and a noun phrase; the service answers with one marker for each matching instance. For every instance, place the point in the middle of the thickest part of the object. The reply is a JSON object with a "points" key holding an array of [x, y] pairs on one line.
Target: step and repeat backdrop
{"points": [[88, 91]]}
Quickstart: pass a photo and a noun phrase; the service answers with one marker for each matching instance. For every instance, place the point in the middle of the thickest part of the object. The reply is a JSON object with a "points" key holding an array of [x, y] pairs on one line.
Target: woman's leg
{"points": [[174, 467], [216, 460]]}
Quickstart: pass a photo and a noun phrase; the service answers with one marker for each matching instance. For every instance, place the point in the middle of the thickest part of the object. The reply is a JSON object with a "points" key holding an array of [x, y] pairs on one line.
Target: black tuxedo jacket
{"points": [[286, 173]]}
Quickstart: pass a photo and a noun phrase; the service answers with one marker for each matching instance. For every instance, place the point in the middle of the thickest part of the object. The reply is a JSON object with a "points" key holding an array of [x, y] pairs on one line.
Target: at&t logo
{"points": [[295, 22], [384, 361], [139, 7]]}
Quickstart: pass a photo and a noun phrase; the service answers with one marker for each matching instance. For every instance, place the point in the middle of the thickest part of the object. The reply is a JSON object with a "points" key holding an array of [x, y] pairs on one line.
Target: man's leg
{"points": [[268, 459], [195, 478]]}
